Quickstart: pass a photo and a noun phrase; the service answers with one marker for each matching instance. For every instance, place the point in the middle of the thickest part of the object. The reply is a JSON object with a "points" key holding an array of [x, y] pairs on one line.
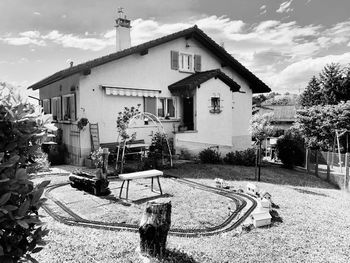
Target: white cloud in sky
{"points": [[296, 75], [285, 7], [37, 13], [263, 10], [22, 40]]}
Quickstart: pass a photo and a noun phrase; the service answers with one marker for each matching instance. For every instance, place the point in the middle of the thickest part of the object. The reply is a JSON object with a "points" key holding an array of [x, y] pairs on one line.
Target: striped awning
{"points": [[117, 91]]}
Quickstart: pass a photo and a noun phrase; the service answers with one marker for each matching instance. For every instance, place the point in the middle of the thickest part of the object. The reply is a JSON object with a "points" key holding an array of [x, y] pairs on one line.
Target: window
{"points": [[68, 107], [186, 62], [56, 108], [166, 108], [46, 106], [215, 105]]}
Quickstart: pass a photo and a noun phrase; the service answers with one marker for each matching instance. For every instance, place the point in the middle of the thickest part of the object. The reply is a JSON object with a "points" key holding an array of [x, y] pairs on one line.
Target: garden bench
{"points": [[140, 175]]}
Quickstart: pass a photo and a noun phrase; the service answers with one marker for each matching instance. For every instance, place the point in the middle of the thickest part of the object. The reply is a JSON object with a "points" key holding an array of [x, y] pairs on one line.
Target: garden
{"points": [[44, 219], [314, 224]]}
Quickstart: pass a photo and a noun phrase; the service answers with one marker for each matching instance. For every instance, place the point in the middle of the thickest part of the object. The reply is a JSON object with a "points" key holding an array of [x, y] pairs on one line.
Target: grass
{"points": [[315, 228], [190, 207]]}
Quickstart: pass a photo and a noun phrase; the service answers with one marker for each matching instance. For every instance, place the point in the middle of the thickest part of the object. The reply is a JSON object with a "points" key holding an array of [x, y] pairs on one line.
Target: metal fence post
{"points": [[346, 179], [316, 163], [307, 160], [328, 166]]}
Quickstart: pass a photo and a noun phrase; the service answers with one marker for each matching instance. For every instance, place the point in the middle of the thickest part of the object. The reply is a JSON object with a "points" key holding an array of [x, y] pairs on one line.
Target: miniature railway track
{"points": [[228, 225]]}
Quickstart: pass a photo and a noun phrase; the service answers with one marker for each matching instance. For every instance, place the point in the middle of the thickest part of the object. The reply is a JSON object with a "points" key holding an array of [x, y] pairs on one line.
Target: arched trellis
{"points": [[146, 117]]}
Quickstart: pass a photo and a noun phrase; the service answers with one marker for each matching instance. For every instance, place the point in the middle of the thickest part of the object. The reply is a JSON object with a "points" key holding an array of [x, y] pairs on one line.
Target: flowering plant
{"points": [[97, 157]]}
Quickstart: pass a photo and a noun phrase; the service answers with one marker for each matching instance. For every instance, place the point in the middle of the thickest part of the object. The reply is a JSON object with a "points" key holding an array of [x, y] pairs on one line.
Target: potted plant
{"points": [[82, 123]]}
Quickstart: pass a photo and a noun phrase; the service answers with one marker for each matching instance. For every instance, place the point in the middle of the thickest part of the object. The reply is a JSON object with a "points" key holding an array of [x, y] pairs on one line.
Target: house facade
{"points": [[202, 95]]}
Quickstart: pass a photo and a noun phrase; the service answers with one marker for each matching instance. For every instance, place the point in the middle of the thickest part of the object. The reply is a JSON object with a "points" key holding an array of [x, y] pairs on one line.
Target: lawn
{"points": [[316, 225], [189, 205]]}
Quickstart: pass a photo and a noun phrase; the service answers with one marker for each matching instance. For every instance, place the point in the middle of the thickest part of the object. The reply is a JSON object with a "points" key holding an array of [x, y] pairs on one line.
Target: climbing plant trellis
{"points": [[146, 117]]}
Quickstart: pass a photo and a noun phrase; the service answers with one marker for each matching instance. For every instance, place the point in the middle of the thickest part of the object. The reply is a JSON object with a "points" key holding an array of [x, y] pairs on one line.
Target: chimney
{"points": [[123, 39]]}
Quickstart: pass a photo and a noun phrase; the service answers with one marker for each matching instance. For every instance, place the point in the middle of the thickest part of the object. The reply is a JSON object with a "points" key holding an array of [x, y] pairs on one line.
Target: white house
{"points": [[185, 78]]}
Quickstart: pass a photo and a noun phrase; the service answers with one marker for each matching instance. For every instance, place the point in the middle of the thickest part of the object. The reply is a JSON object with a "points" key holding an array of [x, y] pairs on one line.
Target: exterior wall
{"points": [[71, 136], [215, 128], [152, 71]]}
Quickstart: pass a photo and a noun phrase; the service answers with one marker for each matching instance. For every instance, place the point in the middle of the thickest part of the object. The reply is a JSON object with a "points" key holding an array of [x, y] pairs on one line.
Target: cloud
{"points": [[296, 75], [263, 10], [73, 41], [37, 13], [285, 7], [21, 41], [30, 34]]}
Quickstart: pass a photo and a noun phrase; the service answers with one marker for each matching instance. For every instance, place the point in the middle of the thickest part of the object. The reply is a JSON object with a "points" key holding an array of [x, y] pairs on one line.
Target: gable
{"points": [[226, 59]]}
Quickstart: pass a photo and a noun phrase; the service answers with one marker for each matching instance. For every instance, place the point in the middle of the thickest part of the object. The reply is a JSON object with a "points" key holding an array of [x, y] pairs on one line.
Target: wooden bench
{"points": [[140, 175]]}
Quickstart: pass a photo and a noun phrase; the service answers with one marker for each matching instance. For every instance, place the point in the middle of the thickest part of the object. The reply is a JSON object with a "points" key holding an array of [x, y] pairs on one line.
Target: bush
{"points": [[21, 127], [210, 155], [39, 163], [245, 157], [290, 149]]}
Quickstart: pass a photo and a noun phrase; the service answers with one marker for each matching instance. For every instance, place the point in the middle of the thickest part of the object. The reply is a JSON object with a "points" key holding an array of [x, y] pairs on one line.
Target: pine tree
{"points": [[331, 81], [312, 95]]}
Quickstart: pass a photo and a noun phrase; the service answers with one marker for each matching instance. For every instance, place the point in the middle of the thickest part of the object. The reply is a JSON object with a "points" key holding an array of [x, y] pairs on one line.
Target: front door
{"points": [[188, 113]]}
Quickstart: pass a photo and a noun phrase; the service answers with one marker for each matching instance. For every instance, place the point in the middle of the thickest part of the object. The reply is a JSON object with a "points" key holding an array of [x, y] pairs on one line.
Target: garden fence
{"points": [[330, 166]]}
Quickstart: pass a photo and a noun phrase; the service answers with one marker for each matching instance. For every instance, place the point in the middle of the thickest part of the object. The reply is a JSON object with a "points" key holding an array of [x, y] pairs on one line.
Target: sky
{"points": [[284, 43]]}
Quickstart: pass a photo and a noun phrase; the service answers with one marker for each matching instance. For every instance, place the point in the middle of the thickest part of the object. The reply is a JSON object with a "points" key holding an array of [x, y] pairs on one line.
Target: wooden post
{"points": [[316, 163], [154, 227], [328, 165]]}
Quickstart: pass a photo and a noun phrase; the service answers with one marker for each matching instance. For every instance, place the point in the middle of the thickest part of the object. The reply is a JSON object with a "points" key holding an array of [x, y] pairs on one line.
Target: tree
{"points": [[331, 87], [318, 124], [22, 126], [312, 95], [290, 148], [260, 128]]}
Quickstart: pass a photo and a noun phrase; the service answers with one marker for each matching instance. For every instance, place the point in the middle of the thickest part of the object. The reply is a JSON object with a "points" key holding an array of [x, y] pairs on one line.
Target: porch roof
{"points": [[187, 85]]}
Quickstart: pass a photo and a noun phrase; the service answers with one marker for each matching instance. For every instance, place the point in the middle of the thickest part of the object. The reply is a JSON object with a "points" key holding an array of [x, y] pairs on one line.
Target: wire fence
{"points": [[330, 166]]}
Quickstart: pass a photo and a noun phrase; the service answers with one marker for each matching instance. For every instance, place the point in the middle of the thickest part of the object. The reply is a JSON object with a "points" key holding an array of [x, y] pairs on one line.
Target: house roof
{"points": [[194, 32], [281, 113], [188, 84]]}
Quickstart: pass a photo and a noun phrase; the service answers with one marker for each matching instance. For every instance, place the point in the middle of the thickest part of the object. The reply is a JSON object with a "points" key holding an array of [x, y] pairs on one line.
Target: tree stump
{"points": [[154, 227]]}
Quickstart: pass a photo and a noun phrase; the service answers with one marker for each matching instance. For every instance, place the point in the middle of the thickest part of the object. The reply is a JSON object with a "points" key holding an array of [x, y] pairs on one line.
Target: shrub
{"points": [[210, 155], [21, 127], [158, 151], [39, 162], [246, 157], [185, 154], [290, 149]]}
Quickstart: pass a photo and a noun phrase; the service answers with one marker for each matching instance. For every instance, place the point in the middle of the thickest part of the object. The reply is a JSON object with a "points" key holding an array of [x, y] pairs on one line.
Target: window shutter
{"points": [[197, 63], [150, 105], [174, 60], [73, 104], [59, 108]]}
